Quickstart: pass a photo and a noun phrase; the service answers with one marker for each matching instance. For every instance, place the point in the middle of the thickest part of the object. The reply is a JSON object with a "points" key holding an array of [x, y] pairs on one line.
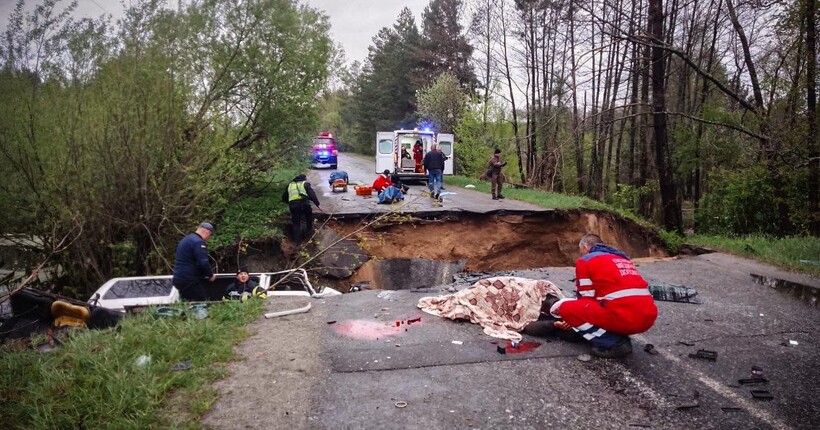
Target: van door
{"points": [[384, 151], [445, 143]]}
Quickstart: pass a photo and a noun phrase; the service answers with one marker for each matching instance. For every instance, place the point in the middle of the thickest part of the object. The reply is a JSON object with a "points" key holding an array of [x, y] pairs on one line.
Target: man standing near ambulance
{"points": [[613, 300]]}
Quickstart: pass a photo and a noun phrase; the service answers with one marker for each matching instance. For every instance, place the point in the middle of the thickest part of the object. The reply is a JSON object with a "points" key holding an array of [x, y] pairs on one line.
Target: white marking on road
{"points": [[724, 391]]}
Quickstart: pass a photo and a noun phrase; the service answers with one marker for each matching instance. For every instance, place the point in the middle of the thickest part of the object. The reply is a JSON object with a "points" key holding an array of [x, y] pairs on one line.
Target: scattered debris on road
{"points": [[705, 354], [674, 293], [761, 394], [650, 349]]}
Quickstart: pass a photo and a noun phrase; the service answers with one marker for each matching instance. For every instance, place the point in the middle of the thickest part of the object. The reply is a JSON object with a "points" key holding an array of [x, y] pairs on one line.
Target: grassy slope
{"points": [[257, 215], [545, 199], [784, 252], [92, 381]]}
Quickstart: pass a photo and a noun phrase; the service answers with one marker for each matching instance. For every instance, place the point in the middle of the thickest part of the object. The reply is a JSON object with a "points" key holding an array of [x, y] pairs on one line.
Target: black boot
{"points": [[621, 349]]}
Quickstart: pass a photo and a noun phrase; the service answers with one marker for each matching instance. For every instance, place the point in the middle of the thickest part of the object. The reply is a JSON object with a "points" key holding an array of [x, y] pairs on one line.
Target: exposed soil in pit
{"points": [[498, 242]]}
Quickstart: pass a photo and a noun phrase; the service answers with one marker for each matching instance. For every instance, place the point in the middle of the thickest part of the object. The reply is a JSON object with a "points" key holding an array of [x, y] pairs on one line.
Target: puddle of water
{"points": [[806, 293]]}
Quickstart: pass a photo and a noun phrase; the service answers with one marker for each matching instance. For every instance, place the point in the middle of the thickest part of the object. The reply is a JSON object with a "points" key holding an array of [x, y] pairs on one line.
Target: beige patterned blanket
{"points": [[502, 305]]}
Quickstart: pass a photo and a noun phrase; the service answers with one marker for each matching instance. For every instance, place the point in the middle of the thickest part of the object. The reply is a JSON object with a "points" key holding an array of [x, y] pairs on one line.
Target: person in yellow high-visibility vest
{"points": [[298, 196]]}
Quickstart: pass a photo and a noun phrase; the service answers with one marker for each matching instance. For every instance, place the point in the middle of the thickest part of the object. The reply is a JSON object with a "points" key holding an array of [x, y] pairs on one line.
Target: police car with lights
{"points": [[324, 152]]}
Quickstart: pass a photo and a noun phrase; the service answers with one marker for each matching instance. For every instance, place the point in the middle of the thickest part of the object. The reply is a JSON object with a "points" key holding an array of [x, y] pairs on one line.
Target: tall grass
{"points": [[93, 380], [547, 200], [782, 252]]}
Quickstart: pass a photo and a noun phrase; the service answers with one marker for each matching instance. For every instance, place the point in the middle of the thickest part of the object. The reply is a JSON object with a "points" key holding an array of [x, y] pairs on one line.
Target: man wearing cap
{"points": [[191, 267]]}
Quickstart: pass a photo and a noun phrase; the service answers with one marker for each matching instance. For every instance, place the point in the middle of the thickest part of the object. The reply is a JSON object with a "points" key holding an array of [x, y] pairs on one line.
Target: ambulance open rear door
{"points": [[385, 158], [445, 143]]}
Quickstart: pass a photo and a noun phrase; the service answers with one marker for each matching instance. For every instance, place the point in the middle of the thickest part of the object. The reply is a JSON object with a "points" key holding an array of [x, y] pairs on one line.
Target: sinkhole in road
{"points": [[408, 252]]}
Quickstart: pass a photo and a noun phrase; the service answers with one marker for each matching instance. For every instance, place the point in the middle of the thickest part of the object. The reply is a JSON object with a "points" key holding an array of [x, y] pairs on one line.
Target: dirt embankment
{"points": [[503, 242]]}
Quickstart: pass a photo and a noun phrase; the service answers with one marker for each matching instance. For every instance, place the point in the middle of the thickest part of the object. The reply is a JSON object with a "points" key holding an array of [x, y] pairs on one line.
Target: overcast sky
{"points": [[353, 22]]}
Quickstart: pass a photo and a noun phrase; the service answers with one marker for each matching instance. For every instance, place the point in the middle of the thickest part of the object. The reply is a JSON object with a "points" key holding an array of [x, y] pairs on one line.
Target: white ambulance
{"points": [[397, 151]]}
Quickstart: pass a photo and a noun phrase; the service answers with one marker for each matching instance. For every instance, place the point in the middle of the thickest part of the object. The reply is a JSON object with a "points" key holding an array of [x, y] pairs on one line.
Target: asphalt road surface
{"points": [[345, 365], [361, 170]]}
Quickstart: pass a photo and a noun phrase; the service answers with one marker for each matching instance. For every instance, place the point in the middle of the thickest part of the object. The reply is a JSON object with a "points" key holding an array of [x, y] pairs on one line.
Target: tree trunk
{"points": [[770, 146], [811, 112], [579, 149], [669, 202]]}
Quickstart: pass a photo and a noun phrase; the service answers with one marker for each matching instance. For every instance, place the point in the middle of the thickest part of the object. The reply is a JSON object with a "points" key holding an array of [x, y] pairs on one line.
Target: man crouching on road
{"points": [[613, 300]]}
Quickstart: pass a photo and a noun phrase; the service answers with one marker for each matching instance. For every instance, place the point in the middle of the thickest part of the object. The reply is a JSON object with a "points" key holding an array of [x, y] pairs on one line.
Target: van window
{"points": [[385, 146], [446, 148], [134, 288]]}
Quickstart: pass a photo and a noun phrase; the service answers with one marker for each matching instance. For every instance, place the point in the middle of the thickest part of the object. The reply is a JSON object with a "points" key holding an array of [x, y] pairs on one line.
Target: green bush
{"points": [[738, 202]]}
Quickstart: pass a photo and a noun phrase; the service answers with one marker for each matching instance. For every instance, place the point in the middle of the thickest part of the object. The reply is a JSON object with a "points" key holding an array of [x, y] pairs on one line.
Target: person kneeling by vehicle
{"points": [[243, 287], [613, 301], [382, 181]]}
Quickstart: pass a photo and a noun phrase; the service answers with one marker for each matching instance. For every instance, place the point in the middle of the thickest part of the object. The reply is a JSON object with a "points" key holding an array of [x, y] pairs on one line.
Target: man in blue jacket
{"points": [[191, 267]]}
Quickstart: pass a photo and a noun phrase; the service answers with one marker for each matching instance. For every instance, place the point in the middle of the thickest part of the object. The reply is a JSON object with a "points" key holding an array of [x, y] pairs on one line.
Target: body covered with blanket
{"points": [[502, 305]]}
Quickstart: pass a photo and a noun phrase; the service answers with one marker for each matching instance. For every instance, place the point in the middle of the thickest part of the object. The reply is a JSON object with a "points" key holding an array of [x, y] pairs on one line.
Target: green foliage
{"points": [[134, 133], [93, 380], [738, 202], [629, 197], [258, 214], [673, 240], [383, 97], [442, 103], [476, 141], [798, 253], [545, 199], [444, 47]]}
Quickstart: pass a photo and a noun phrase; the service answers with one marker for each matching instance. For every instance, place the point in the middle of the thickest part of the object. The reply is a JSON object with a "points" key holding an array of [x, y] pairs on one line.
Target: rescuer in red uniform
{"points": [[382, 181], [613, 300]]}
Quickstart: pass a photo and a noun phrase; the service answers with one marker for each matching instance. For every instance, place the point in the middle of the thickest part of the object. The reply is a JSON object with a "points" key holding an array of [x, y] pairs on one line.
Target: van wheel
{"points": [[333, 166]]}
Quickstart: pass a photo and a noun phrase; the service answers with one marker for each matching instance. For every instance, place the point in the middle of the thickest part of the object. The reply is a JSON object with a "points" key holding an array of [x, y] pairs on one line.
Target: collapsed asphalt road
{"points": [[362, 171], [345, 364]]}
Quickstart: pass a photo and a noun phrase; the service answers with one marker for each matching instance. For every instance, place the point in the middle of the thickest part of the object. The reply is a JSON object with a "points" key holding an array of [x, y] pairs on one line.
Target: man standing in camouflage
{"points": [[495, 175]]}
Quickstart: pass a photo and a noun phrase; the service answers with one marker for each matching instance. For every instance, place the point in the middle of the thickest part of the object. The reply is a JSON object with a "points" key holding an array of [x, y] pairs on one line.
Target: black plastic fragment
{"points": [[752, 381], [731, 409], [650, 349], [761, 395], [705, 354]]}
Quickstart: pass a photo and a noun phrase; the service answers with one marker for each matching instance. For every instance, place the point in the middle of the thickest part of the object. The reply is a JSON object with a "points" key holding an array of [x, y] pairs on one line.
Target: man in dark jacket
{"points": [[298, 196], [434, 165], [191, 267], [242, 285], [495, 175]]}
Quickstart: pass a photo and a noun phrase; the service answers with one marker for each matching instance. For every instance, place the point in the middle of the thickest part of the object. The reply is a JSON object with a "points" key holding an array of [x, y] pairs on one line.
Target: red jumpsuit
{"points": [[381, 183], [612, 297]]}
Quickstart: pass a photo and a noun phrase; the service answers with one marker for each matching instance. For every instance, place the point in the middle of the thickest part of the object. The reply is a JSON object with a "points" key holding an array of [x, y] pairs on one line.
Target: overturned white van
{"points": [[396, 152]]}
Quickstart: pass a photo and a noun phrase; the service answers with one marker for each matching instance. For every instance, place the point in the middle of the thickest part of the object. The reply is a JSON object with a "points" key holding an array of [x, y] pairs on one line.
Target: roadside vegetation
{"points": [[259, 213], [117, 138], [800, 254], [94, 380]]}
